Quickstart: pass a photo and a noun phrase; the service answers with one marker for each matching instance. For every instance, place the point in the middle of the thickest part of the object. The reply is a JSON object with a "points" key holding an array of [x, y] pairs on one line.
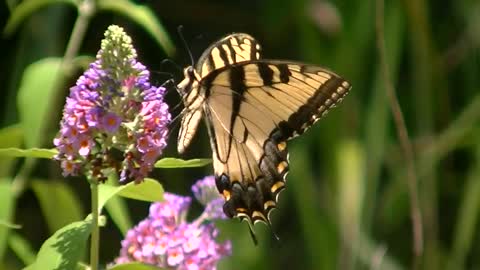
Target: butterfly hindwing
{"points": [[253, 109]]}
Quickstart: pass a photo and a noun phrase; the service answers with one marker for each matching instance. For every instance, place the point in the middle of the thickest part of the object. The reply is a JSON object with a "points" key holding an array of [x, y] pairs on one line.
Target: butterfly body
{"points": [[252, 107]]}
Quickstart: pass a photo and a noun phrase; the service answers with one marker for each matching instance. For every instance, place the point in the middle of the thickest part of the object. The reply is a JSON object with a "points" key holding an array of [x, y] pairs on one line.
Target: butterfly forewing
{"points": [[252, 107], [229, 50]]}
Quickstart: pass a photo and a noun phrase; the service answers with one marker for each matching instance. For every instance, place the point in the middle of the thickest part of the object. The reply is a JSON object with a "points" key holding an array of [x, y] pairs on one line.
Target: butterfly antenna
{"points": [[180, 33], [174, 123], [170, 61], [170, 75], [169, 81], [179, 115]]}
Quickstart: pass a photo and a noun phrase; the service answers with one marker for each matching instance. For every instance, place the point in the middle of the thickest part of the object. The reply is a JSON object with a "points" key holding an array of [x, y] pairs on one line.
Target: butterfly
{"points": [[252, 107]]}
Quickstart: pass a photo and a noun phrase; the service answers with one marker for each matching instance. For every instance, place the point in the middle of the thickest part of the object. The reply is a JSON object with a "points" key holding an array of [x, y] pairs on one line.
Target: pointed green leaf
{"points": [[59, 204], [169, 163], [7, 205], [34, 96], [22, 248], [149, 190], [32, 152], [64, 248], [468, 216], [26, 9], [117, 208], [142, 15], [134, 266]]}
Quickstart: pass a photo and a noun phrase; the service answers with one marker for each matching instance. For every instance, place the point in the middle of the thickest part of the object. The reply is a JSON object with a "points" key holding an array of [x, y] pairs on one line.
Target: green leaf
{"points": [[11, 136], [142, 15], [22, 248], [320, 236], [134, 266], [117, 208], [26, 9], [7, 205], [59, 204], [64, 248], [468, 218], [31, 153], [149, 190], [36, 88], [169, 163]]}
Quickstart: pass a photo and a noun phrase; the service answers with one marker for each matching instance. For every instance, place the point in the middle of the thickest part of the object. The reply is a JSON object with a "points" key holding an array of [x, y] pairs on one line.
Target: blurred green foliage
{"points": [[347, 201]]}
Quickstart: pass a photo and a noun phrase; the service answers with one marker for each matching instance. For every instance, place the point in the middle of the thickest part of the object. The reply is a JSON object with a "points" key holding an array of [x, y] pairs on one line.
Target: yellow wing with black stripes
{"points": [[252, 107]]}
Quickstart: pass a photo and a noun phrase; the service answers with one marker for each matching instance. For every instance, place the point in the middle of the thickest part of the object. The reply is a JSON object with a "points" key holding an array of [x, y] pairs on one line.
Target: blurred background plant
{"points": [[348, 201]]}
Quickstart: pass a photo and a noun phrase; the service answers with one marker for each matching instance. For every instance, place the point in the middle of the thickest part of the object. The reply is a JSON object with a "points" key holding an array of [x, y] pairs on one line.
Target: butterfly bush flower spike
{"points": [[165, 238], [113, 118]]}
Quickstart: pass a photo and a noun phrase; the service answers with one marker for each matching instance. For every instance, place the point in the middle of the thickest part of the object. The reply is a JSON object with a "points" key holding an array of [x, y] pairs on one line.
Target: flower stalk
{"points": [[95, 236]]}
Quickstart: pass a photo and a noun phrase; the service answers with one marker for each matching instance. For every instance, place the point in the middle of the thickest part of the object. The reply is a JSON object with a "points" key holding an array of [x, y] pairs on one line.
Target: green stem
{"points": [[94, 241], [405, 143], [86, 10]]}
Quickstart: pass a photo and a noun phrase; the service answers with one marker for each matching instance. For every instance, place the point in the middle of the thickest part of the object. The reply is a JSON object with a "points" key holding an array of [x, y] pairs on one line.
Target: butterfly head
{"points": [[190, 81]]}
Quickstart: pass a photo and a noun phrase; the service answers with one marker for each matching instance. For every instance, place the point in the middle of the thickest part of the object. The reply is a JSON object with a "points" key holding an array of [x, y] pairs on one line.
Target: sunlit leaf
{"points": [[32, 152], [59, 204], [117, 208], [22, 248], [36, 88], [7, 204], [142, 15], [149, 190], [64, 248], [169, 163], [27, 8]]}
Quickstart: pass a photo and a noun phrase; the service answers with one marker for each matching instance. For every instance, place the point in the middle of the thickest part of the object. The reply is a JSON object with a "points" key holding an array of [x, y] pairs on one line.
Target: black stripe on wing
{"points": [[316, 106]]}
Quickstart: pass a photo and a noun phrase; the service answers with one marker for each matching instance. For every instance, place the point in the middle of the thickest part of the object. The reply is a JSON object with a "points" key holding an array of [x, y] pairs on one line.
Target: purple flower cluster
{"points": [[167, 240], [113, 117]]}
